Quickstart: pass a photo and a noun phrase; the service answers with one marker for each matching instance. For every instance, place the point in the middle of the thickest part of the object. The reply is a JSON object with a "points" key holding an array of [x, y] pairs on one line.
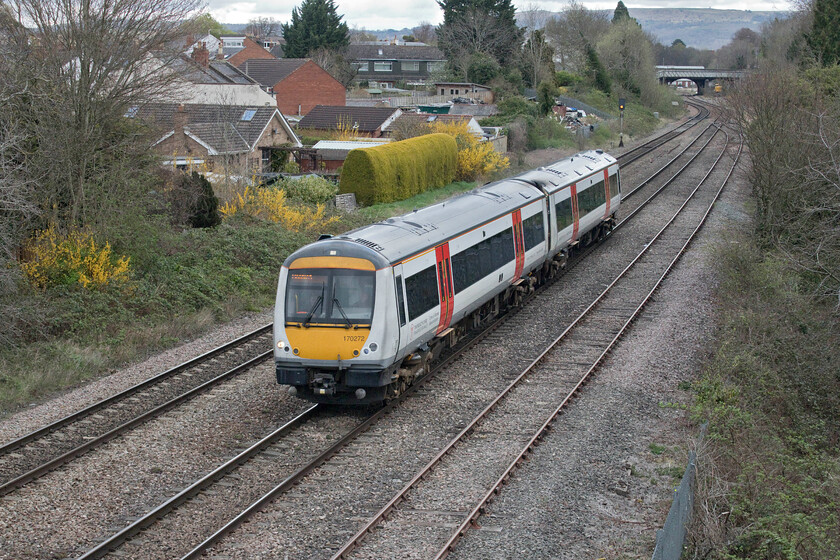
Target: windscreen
{"points": [[330, 296]]}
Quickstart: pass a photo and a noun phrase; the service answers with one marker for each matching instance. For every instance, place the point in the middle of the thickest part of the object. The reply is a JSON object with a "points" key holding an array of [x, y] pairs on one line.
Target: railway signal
{"points": [[621, 102]]}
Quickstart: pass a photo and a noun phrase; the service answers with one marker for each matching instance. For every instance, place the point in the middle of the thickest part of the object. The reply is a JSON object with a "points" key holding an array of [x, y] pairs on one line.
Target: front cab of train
{"points": [[331, 337]]}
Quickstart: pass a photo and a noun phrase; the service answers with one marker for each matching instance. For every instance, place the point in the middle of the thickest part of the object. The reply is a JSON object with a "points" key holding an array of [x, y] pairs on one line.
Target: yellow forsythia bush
{"points": [[475, 158], [270, 204], [54, 259]]}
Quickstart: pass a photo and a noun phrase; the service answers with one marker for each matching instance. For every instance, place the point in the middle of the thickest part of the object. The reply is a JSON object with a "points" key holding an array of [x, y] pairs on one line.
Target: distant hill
{"points": [[701, 28]]}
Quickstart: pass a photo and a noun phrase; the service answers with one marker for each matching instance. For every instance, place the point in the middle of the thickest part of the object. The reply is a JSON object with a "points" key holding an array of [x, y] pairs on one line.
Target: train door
{"points": [[445, 286], [402, 311]]}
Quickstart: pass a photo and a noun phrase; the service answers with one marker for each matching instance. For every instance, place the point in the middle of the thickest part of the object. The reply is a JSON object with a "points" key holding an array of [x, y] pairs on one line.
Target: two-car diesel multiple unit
{"points": [[361, 315]]}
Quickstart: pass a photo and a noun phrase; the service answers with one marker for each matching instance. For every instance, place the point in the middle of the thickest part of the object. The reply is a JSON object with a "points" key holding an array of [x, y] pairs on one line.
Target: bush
{"points": [[269, 204], [60, 260], [190, 199], [309, 189], [518, 105], [475, 159], [399, 170], [566, 79]]}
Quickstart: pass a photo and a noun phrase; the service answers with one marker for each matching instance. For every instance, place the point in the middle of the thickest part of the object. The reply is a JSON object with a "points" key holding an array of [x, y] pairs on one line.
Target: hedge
{"points": [[399, 170]]}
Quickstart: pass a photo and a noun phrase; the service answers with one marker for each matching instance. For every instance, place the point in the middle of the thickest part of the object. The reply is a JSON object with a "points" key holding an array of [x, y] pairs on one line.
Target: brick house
{"points": [[237, 139], [250, 51], [298, 83], [361, 121]]}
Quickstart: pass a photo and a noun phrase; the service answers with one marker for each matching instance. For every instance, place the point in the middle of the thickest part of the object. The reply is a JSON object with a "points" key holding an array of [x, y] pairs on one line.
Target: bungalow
{"points": [[297, 83], [329, 155], [360, 121], [416, 121]]}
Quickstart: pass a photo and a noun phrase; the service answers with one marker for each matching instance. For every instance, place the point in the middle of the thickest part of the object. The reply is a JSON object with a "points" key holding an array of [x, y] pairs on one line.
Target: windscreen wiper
{"points": [[312, 311], [343, 314]]}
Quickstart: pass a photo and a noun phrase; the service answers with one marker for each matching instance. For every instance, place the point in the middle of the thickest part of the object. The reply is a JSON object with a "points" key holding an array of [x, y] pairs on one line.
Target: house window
{"points": [[361, 66], [411, 66], [248, 114], [381, 66], [451, 92], [436, 66]]}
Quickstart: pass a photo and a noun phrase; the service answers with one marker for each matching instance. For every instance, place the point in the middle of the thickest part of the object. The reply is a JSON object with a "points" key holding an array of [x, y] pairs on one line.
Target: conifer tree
{"points": [[621, 13], [824, 38], [315, 24], [479, 26]]}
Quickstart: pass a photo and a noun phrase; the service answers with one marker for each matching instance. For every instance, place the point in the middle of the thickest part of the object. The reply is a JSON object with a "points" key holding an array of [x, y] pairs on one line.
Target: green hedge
{"points": [[399, 170]]}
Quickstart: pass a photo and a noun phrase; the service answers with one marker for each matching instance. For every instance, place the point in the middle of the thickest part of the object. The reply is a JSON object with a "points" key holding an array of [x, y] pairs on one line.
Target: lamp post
{"points": [[621, 102]]}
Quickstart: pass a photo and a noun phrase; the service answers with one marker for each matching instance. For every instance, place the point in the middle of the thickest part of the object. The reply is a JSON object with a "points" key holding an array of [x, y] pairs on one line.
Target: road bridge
{"points": [[703, 77]]}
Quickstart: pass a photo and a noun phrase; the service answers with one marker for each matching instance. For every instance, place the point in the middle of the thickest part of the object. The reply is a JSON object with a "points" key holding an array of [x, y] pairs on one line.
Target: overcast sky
{"points": [[376, 14]]}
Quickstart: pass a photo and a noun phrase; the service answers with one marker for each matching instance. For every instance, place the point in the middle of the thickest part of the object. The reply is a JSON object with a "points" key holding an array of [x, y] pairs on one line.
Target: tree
{"points": [[537, 58], [336, 64], [627, 53], [678, 43], [741, 52], [596, 71], [482, 69], [824, 37], [204, 24], [572, 31], [479, 26], [621, 13], [262, 27], [545, 96], [314, 24], [94, 61], [425, 33]]}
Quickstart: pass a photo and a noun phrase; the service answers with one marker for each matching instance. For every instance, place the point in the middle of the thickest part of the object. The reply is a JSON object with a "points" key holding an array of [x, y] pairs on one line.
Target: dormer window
{"points": [[380, 52]]}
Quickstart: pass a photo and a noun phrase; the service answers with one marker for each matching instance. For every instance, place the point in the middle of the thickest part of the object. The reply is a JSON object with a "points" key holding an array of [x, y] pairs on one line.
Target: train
{"points": [[360, 316]]}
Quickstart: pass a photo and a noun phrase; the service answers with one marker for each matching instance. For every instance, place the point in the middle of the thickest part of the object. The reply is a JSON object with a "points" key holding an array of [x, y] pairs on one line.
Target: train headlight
{"points": [[281, 344], [373, 346]]}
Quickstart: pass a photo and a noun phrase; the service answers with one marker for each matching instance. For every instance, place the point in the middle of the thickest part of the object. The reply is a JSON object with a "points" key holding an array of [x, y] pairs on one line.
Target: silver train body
{"points": [[361, 315]]}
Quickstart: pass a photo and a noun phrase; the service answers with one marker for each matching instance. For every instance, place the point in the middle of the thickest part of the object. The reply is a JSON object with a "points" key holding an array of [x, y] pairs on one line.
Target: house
{"points": [[251, 50], [475, 92], [238, 139], [329, 155], [360, 121], [384, 65], [297, 83], [414, 121]]}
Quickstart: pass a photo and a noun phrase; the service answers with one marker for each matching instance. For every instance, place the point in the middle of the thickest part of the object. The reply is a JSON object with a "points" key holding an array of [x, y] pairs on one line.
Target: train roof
{"points": [[395, 239], [560, 174], [403, 236]]}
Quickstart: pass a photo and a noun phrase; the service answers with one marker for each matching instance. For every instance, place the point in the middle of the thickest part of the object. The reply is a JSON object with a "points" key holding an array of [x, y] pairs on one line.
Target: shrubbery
{"points": [[309, 189], [269, 204], [399, 170], [76, 258]]}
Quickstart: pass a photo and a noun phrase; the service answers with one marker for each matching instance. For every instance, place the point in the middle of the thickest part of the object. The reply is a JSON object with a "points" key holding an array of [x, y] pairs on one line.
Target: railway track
{"points": [[502, 435], [39, 452], [33, 455], [290, 476]]}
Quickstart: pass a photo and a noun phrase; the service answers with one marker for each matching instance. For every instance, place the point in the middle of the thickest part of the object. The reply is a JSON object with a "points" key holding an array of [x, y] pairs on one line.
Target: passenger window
{"points": [[422, 292], [533, 230], [563, 211]]}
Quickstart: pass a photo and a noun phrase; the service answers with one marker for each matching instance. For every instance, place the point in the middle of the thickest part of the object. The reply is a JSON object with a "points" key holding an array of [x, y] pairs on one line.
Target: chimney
{"points": [[201, 55], [179, 121], [220, 54]]}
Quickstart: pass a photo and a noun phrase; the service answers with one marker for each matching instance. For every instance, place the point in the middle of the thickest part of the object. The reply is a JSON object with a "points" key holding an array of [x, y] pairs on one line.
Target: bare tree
{"points": [[572, 31], [425, 33], [336, 64], [98, 58], [262, 27]]}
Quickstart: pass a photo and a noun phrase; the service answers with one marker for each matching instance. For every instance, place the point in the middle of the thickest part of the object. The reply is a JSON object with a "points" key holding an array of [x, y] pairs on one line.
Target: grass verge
{"points": [[769, 474]]}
